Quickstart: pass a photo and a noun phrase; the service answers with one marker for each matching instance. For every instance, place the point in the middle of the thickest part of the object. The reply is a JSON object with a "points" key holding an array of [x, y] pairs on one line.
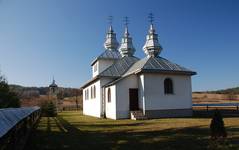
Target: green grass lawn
{"points": [[73, 131]]}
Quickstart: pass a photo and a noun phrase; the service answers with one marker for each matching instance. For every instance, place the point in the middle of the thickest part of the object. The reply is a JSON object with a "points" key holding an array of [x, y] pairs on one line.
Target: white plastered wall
{"points": [[156, 99], [122, 95], [101, 64], [110, 106], [94, 107]]}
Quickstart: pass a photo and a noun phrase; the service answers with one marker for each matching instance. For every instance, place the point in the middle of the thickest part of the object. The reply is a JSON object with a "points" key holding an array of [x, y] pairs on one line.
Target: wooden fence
{"points": [[70, 108], [208, 110]]}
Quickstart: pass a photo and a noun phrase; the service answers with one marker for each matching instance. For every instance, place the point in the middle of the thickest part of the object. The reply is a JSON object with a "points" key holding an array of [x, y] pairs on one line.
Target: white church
{"points": [[125, 86]]}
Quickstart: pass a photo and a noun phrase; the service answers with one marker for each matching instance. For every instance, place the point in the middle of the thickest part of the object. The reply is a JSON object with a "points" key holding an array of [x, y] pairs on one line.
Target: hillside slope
{"points": [[234, 90]]}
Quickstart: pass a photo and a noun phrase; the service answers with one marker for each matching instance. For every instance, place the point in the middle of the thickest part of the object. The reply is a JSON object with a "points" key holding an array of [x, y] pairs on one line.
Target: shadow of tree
{"points": [[71, 137]]}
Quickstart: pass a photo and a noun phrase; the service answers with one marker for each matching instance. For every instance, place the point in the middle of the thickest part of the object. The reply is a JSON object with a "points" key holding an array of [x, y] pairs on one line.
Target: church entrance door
{"points": [[133, 99]]}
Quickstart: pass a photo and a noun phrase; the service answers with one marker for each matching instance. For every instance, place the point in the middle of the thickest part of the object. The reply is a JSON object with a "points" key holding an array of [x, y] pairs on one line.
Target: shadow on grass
{"points": [[71, 137]]}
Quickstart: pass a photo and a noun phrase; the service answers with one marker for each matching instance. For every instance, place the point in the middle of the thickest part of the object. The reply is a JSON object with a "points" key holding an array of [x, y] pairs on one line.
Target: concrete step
{"points": [[137, 115]]}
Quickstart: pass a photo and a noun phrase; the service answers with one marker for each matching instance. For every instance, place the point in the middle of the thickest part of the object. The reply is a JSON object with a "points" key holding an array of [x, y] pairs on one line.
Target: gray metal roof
{"points": [[154, 64], [108, 54], [9, 117], [132, 65], [119, 67], [157, 64], [89, 82]]}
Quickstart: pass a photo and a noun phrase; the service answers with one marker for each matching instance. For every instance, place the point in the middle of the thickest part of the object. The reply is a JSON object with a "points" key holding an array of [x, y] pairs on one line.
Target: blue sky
{"points": [[42, 38]]}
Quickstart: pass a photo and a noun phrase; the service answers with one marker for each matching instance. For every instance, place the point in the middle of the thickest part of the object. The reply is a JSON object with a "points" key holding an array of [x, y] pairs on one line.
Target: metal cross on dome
{"points": [[110, 20], [151, 18], [126, 21]]}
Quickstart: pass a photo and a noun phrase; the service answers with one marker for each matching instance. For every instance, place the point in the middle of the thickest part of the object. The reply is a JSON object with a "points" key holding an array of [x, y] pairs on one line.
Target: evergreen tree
{"points": [[217, 126], [48, 109], [51, 109], [7, 98]]}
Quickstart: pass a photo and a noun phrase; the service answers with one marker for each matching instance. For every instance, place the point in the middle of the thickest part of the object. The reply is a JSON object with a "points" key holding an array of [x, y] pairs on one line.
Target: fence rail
{"points": [[207, 110], [212, 106], [70, 108], [16, 125]]}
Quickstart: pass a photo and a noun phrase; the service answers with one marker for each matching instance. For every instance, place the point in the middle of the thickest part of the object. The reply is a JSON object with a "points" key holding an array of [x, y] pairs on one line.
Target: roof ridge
{"points": [[147, 59], [159, 64], [153, 58], [119, 67], [177, 65], [107, 54], [116, 69], [167, 63]]}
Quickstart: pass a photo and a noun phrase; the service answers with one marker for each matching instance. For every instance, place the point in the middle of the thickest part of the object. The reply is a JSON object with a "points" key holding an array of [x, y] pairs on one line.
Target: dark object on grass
{"points": [[217, 126]]}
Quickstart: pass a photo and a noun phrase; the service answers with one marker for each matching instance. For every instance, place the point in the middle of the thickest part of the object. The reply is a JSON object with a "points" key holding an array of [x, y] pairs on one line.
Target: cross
{"points": [[110, 19], [151, 18], [126, 21]]}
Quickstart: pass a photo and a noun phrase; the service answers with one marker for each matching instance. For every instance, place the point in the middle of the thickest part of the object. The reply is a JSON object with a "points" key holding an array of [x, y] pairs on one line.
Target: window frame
{"points": [[91, 92], [94, 91], [87, 94], [109, 95], [168, 86], [95, 67]]}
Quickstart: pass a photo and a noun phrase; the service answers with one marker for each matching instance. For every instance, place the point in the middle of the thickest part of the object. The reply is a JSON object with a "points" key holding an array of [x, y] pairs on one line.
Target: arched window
{"points": [[168, 86], [86, 94], [94, 92], [109, 95], [91, 92]]}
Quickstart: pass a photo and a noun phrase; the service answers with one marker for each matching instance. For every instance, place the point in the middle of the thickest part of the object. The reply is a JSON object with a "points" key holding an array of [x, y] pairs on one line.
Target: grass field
{"points": [[73, 131]]}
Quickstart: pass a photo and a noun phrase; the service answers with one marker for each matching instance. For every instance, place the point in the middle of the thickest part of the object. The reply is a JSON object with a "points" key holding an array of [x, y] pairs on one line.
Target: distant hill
{"points": [[34, 92], [234, 90]]}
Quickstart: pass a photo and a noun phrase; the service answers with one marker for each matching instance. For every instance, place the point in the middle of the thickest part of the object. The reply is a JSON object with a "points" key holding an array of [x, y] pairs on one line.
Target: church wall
{"points": [[141, 91], [92, 107], [122, 95], [156, 99], [101, 64], [111, 106]]}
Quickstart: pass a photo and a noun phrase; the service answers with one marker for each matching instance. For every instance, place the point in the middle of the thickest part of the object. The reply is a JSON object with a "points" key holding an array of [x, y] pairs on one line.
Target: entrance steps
{"points": [[137, 115]]}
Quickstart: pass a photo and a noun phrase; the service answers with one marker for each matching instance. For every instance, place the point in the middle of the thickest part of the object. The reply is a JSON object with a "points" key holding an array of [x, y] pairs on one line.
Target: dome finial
{"points": [[126, 23], [152, 46], [151, 21], [126, 47], [111, 42], [53, 80]]}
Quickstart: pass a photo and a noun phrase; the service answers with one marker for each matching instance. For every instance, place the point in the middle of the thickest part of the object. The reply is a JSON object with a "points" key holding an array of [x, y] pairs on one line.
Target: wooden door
{"points": [[133, 99]]}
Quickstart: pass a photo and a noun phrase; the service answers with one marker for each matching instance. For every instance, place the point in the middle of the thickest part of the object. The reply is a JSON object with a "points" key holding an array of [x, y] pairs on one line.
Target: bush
{"points": [[217, 126], [48, 109]]}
